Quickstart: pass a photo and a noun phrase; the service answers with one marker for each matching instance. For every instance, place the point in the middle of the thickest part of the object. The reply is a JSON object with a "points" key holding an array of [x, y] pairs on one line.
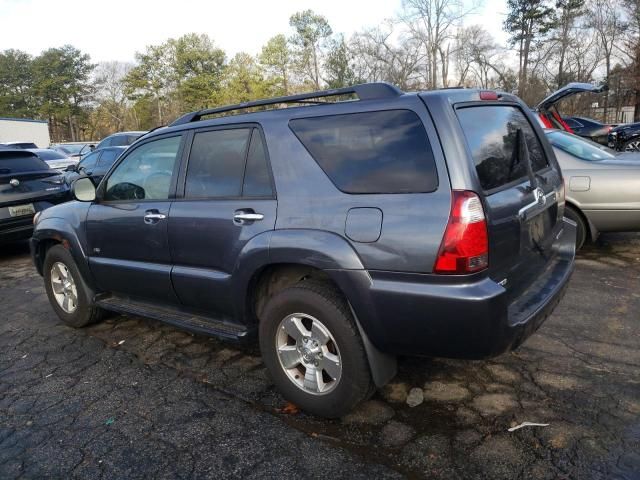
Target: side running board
{"points": [[189, 321]]}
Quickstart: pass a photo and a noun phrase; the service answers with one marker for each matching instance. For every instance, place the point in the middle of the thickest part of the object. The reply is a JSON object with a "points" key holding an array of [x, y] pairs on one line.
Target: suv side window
{"points": [[216, 163], [371, 152], [257, 181], [145, 173]]}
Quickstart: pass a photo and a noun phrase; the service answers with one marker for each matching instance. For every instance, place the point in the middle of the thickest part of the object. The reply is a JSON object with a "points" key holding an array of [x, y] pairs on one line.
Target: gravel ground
{"points": [[132, 398]]}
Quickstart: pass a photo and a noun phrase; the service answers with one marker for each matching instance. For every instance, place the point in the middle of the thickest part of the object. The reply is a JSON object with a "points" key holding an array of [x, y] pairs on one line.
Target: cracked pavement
{"points": [[133, 398]]}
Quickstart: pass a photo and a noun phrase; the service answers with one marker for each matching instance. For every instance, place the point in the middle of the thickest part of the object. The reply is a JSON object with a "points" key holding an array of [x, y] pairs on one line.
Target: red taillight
{"points": [[465, 246]]}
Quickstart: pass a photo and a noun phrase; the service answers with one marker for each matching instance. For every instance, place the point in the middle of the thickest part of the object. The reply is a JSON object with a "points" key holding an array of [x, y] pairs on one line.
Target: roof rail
{"points": [[364, 91]]}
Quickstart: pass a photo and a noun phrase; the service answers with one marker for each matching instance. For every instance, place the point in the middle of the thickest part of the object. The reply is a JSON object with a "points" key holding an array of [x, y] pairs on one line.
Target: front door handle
{"points": [[243, 217], [153, 216]]}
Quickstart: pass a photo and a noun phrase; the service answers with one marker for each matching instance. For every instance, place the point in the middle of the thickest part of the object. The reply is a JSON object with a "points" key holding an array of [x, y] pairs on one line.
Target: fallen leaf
{"points": [[289, 409]]}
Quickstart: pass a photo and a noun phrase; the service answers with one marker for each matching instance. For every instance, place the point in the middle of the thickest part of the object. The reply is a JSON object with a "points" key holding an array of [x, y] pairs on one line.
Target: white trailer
{"points": [[25, 130]]}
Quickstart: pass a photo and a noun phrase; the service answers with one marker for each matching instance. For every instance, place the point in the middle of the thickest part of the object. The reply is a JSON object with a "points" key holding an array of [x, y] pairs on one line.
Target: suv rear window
{"points": [[371, 152], [491, 135]]}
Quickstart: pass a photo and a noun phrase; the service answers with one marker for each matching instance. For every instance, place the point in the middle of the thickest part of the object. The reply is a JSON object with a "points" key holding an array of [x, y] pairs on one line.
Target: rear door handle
{"points": [[244, 216], [252, 217], [153, 216]]}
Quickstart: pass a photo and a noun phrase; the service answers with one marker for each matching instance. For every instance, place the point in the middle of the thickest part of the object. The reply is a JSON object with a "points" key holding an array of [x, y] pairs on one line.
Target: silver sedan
{"points": [[602, 185]]}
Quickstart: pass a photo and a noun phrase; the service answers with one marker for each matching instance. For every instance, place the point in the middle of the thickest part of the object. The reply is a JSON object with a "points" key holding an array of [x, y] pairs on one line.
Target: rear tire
{"points": [[312, 348], [581, 234], [68, 294]]}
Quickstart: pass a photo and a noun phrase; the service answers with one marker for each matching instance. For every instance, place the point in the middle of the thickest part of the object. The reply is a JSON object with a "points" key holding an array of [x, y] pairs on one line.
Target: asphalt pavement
{"points": [[133, 398]]}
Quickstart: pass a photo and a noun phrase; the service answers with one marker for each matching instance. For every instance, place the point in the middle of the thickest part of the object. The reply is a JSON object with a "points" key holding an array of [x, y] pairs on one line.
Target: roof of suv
{"points": [[295, 104]]}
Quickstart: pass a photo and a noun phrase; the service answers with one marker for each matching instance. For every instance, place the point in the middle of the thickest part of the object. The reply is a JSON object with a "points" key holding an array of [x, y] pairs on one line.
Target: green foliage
{"points": [[243, 81], [311, 32], [277, 59], [61, 80], [338, 65], [55, 85], [528, 19], [179, 74], [16, 83]]}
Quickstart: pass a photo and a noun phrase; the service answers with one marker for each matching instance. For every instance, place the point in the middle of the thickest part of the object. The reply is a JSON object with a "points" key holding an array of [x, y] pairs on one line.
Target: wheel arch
{"points": [[273, 278], [56, 231]]}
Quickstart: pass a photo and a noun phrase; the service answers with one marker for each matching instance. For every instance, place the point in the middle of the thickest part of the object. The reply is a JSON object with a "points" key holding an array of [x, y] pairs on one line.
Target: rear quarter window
{"points": [[371, 152], [490, 132]]}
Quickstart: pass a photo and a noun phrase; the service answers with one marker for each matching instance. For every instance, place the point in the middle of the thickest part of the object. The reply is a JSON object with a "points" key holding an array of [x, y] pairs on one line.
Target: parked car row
{"points": [[32, 179]]}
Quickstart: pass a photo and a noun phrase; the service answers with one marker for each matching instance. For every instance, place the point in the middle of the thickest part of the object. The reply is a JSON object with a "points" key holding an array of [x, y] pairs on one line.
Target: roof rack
{"points": [[364, 91]]}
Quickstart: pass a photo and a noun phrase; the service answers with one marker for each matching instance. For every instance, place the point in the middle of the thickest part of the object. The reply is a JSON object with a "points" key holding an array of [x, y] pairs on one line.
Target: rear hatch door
{"points": [[24, 178], [523, 198], [547, 108]]}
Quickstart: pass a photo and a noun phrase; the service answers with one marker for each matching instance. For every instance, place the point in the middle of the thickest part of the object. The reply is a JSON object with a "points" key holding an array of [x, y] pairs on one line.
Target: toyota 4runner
{"points": [[353, 226]]}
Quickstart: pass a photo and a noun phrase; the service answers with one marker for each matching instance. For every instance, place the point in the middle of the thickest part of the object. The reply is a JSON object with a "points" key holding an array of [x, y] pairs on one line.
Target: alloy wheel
{"points": [[633, 146], [64, 287], [308, 354]]}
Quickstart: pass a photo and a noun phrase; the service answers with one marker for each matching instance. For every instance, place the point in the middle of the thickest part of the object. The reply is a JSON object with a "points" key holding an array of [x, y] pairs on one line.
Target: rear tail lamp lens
{"points": [[465, 246]]}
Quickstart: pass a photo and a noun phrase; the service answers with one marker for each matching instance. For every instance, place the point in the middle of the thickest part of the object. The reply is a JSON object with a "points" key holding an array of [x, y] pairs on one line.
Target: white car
{"points": [[54, 159]]}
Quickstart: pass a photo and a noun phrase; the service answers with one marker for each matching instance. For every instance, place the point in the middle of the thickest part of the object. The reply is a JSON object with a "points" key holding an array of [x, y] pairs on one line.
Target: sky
{"points": [[116, 29]]}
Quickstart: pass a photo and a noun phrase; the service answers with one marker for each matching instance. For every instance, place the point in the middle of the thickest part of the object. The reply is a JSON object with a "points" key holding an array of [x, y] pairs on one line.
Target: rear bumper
{"points": [[13, 229], [410, 314], [16, 231]]}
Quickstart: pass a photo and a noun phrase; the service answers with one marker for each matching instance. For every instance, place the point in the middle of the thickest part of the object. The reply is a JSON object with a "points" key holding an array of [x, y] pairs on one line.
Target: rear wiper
{"points": [[523, 155]]}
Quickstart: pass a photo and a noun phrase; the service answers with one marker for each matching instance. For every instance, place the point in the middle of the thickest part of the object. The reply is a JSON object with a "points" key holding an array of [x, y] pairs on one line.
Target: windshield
{"points": [[579, 147], [74, 149]]}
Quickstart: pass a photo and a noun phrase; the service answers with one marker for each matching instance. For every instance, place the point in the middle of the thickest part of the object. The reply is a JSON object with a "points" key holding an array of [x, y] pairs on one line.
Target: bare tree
{"points": [[111, 93], [569, 11], [432, 23], [378, 58], [606, 20]]}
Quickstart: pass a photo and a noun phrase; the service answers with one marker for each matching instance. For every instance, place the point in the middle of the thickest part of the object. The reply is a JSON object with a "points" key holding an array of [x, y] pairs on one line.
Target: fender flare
{"points": [[60, 231], [323, 250]]}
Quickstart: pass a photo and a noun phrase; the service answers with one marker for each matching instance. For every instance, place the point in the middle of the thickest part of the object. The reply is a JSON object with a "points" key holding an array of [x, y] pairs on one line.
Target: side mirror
{"points": [[83, 190], [92, 147], [71, 168]]}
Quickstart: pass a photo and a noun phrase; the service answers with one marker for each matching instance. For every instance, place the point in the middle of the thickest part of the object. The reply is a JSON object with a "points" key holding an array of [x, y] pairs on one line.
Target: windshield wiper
{"points": [[523, 155]]}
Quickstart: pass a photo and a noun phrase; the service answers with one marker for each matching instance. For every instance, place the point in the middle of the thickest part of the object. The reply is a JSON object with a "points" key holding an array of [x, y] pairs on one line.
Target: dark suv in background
{"points": [[120, 139], [342, 233]]}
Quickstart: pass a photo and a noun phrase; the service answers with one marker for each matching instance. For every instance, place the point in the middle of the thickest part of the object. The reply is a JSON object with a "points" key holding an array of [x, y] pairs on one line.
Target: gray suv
{"points": [[356, 225]]}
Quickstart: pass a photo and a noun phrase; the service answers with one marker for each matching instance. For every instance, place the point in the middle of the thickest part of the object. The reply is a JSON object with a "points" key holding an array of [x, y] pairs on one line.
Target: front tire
{"points": [[312, 348], [68, 293], [581, 233]]}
